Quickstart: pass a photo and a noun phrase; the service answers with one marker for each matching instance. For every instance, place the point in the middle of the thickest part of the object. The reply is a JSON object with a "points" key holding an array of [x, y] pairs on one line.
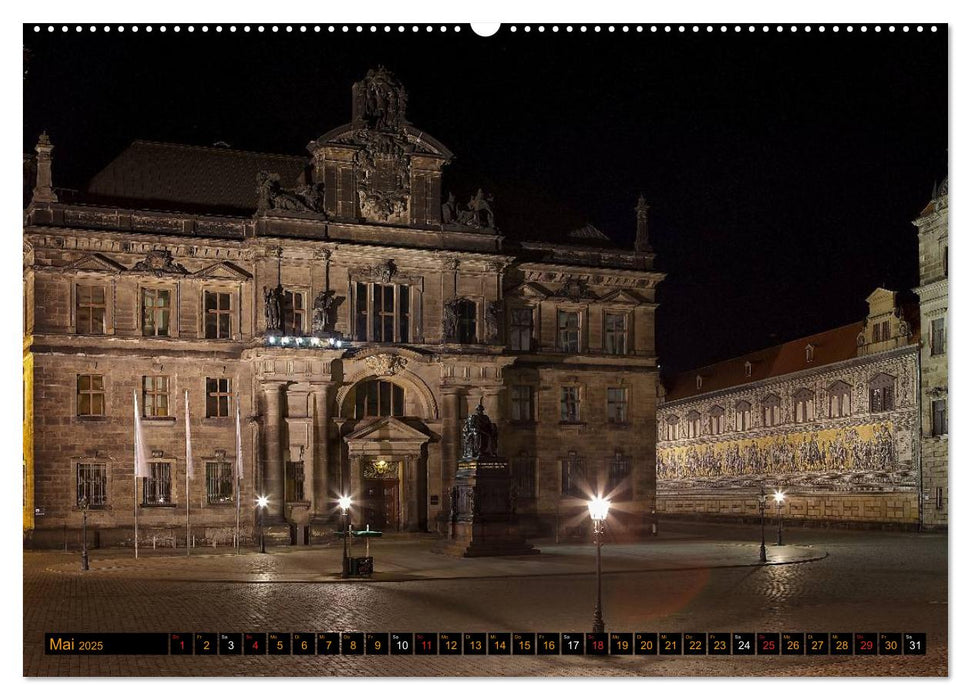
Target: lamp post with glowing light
{"points": [[762, 518], [598, 508], [780, 497], [345, 504], [261, 503], [83, 505]]}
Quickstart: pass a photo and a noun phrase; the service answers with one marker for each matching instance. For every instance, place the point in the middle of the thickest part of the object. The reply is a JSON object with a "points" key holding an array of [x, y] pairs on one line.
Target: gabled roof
{"points": [[177, 176], [829, 347]]}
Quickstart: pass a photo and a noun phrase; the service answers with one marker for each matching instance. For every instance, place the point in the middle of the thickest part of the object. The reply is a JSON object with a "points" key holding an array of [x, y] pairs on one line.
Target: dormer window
{"points": [[809, 352], [748, 369]]}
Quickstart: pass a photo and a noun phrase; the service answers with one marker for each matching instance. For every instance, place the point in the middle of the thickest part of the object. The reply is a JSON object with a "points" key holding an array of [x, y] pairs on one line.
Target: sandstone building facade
{"points": [[355, 315], [831, 419]]}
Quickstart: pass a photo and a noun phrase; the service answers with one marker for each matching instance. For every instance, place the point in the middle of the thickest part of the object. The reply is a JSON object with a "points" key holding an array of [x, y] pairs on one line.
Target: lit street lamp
{"points": [[780, 497], [598, 508], [261, 503], [762, 518], [345, 504], [83, 505]]}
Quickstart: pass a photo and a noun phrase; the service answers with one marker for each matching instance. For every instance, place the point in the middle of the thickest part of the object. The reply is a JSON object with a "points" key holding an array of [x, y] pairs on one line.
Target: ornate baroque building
{"points": [[932, 235], [831, 419], [355, 317]]}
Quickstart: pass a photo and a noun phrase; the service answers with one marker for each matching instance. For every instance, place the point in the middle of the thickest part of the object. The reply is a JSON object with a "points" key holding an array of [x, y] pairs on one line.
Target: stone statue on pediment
{"points": [[271, 196], [449, 212], [325, 306], [479, 213]]}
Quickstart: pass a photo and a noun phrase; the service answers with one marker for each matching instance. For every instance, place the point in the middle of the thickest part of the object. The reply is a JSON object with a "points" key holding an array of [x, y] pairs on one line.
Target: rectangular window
{"points": [[885, 332], [939, 500], [382, 313], [568, 331], [881, 399], [156, 311], [937, 336], [616, 405], [570, 404], [382, 330], [218, 396], [91, 395], [615, 334], [522, 403], [218, 314], [524, 476], [294, 482], [466, 313], [219, 482], [361, 304], [157, 489], [91, 309], [573, 477], [294, 312], [92, 485], [521, 330], [939, 411], [155, 397], [618, 472]]}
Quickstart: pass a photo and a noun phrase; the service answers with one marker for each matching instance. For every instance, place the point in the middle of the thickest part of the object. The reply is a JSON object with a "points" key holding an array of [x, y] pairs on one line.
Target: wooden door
{"points": [[380, 509]]}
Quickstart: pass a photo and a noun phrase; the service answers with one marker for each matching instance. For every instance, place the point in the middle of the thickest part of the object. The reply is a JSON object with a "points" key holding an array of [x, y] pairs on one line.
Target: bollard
{"points": [[193, 541], [153, 541]]}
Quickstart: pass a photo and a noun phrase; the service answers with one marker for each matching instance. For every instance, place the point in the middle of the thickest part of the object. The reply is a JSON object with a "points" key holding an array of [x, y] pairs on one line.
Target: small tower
{"points": [[43, 190], [641, 243]]}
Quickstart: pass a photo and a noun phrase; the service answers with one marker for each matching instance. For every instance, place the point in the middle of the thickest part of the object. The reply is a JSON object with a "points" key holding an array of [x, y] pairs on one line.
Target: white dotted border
{"points": [[428, 28]]}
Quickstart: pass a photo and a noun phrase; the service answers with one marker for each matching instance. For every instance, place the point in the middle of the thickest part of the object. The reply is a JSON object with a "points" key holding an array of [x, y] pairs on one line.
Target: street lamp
{"points": [[261, 503], [83, 505], [345, 504], [598, 508], [762, 518], [780, 497]]}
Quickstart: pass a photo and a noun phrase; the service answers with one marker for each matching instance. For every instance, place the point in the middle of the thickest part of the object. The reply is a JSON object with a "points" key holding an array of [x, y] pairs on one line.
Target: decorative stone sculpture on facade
{"points": [[272, 196], [479, 214], [385, 364], [480, 436], [493, 320], [325, 306], [271, 308], [160, 262]]}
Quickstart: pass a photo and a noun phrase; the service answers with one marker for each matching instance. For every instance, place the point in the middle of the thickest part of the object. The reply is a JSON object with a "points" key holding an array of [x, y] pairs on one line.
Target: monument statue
{"points": [[480, 436], [271, 308], [270, 195]]}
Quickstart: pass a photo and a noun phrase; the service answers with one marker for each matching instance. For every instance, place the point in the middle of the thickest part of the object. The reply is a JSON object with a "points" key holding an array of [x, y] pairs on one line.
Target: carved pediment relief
{"points": [[385, 364], [160, 262], [576, 290], [95, 262]]}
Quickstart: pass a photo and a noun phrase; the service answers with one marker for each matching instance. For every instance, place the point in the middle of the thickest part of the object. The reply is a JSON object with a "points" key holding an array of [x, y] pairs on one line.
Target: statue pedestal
{"points": [[482, 521]]}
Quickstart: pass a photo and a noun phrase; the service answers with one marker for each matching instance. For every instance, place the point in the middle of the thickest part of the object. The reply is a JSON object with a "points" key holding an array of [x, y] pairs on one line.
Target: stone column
{"points": [[273, 463], [451, 438], [321, 469]]}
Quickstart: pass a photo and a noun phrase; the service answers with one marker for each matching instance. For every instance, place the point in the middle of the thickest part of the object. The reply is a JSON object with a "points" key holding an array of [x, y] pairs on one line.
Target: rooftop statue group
{"points": [[478, 214]]}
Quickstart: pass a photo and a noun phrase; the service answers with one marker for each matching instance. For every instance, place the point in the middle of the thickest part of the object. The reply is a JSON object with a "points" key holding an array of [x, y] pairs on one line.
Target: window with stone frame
{"points": [[693, 421], [294, 312], [716, 420], [521, 400], [524, 476], [521, 329], [293, 487], [574, 476], [218, 315], [938, 336], [939, 417], [839, 399], [568, 331], [92, 485], [219, 393], [618, 473], [156, 311], [91, 395], [803, 406], [615, 333], [219, 483], [569, 404], [91, 309], [671, 428], [771, 411], [382, 312], [155, 396], [617, 405], [466, 318], [881, 393], [743, 415], [157, 489], [376, 397]]}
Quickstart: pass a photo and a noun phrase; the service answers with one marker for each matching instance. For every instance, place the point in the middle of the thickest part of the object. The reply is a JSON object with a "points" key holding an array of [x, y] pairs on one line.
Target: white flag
{"points": [[239, 444], [188, 438], [141, 456]]}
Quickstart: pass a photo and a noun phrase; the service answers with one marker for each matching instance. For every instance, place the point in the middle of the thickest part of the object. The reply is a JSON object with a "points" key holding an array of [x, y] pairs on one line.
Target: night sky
{"points": [[783, 170]]}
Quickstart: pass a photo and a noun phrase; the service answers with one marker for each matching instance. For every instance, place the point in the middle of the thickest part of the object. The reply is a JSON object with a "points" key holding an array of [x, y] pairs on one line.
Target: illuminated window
{"points": [[671, 428], [771, 411], [156, 311], [694, 424], [804, 406], [881, 393], [743, 415], [839, 400], [716, 420]]}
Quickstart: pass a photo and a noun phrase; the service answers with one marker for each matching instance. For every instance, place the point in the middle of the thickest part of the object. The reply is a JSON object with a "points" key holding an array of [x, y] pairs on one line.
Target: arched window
{"points": [[671, 428], [716, 420], [694, 424], [881, 393], [378, 398], [804, 406], [771, 411], [743, 415], [839, 400]]}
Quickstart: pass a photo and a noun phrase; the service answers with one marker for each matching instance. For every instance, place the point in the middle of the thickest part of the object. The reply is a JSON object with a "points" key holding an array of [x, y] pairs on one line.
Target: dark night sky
{"points": [[783, 170]]}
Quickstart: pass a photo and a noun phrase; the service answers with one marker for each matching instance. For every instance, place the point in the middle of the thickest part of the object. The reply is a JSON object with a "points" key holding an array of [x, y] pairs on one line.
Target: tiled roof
{"points": [[176, 176], [829, 347]]}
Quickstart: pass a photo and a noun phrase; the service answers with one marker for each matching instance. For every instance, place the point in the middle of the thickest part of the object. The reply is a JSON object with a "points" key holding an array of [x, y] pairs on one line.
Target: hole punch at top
{"points": [[485, 29]]}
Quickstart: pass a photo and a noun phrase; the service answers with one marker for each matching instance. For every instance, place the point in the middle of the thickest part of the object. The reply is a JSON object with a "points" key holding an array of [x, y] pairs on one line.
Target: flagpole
{"points": [[134, 394], [188, 468], [238, 470]]}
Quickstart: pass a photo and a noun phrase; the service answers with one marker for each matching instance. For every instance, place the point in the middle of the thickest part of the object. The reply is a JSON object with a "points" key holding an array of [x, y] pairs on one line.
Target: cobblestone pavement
{"points": [[696, 578]]}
